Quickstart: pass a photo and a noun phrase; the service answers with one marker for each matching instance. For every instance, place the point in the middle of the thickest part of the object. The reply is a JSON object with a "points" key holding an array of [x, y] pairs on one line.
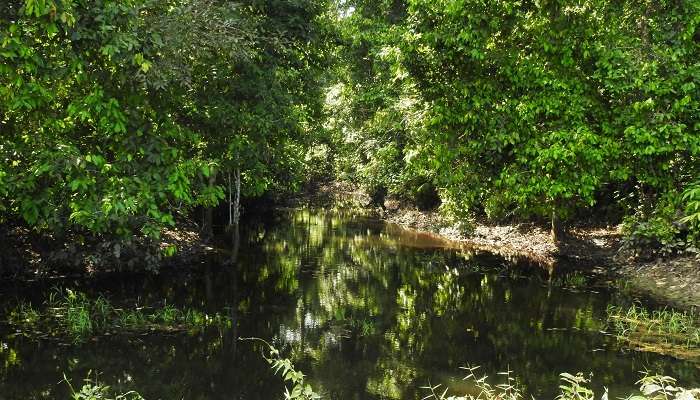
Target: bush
{"points": [[663, 231], [691, 197]]}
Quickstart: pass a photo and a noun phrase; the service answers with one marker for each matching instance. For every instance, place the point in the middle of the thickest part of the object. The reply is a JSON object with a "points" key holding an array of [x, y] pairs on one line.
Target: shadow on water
{"points": [[367, 310]]}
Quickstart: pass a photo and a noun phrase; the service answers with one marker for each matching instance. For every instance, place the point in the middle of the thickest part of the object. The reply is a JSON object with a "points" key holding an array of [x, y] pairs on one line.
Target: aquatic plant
{"points": [[92, 389], [664, 331], [656, 387], [484, 390], [575, 280], [24, 316], [74, 314], [77, 314], [572, 387], [298, 388]]}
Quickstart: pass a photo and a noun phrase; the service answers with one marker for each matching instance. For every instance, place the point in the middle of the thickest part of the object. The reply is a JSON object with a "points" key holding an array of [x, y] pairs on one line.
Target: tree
{"points": [[531, 110], [118, 116]]}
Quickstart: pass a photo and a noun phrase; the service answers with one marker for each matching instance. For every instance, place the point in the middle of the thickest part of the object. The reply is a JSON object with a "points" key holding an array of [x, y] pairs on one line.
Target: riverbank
{"points": [[674, 281], [592, 249], [595, 249], [26, 255]]}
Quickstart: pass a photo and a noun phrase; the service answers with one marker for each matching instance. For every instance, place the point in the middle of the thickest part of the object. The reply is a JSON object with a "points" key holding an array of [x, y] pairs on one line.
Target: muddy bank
{"points": [[596, 249], [26, 255], [674, 281], [583, 244]]}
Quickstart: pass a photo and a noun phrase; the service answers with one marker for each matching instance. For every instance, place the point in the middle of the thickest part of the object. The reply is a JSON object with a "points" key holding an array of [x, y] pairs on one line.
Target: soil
{"points": [[674, 281], [25, 255]]}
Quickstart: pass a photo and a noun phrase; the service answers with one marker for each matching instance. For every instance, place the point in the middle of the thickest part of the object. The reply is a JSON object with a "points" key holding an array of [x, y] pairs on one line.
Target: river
{"points": [[366, 310]]}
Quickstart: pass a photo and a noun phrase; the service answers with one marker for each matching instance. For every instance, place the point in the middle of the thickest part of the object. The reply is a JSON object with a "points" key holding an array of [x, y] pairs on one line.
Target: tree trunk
{"points": [[234, 215], [3, 251], [208, 223], [230, 203], [237, 200], [235, 244], [557, 228]]}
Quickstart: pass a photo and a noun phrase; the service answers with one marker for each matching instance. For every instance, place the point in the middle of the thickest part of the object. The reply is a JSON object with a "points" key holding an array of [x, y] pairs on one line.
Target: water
{"points": [[366, 310]]}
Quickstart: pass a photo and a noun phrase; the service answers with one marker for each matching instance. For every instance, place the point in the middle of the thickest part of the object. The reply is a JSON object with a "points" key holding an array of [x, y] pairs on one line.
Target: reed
{"points": [[665, 331], [73, 314]]}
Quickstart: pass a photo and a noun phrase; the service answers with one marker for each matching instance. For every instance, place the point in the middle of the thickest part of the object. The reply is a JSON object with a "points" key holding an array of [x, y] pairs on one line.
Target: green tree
{"points": [[118, 116], [526, 109]]}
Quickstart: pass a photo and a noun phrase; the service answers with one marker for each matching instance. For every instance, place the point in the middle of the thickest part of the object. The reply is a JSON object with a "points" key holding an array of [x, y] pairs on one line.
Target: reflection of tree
{"points": [[428, 319], [366, 313]]}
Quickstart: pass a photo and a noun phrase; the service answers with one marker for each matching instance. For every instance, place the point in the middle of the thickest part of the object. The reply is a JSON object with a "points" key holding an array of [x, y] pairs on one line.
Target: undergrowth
{"points": [[92, 389], [572, 387], [670, 227], [73, 314]]}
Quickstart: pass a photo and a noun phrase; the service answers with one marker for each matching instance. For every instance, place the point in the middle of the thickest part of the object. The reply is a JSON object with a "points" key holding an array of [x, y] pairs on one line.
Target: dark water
{"points": [[367, 311]]}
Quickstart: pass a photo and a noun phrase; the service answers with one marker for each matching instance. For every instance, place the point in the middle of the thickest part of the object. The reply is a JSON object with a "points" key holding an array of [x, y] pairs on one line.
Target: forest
{"points": [[125, 123], [120, 118]]}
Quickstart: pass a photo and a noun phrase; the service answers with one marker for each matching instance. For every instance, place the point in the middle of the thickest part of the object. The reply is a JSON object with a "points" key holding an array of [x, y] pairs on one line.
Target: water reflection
{"points": [[368, 311]]}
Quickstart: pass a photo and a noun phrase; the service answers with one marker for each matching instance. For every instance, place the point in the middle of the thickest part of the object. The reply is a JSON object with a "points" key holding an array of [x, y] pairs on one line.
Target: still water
{"points": [[366, 310]]}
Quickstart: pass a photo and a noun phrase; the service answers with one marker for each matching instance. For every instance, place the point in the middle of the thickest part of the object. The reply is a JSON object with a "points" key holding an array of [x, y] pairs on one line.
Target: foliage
{"points": [[656, 232], [94, 390], [95, 148], [284, 366], [375, 112], [73, 314], [691, 197], [521, 110], [119, 118]]}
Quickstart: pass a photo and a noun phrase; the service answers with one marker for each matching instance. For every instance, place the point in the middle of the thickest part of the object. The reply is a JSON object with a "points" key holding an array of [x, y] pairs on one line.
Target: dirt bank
{"points": [[592, 248], [26, 255], [674, 281]]}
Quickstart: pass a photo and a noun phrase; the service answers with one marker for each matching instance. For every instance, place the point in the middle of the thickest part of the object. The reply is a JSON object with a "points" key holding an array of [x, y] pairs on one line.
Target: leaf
{"points": [[685, 395], [296, 392], [650, 389]]}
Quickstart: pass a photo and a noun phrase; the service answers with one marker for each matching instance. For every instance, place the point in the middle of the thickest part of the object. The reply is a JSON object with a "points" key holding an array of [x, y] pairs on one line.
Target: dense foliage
{"points": [[520, 109], [119, 115]]}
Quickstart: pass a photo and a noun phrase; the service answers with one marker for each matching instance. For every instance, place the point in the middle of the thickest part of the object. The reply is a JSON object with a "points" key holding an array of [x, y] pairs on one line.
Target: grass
{"points": [[74, 314], [572, 387], [24, 316], [574, 280], [664, 331]]}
